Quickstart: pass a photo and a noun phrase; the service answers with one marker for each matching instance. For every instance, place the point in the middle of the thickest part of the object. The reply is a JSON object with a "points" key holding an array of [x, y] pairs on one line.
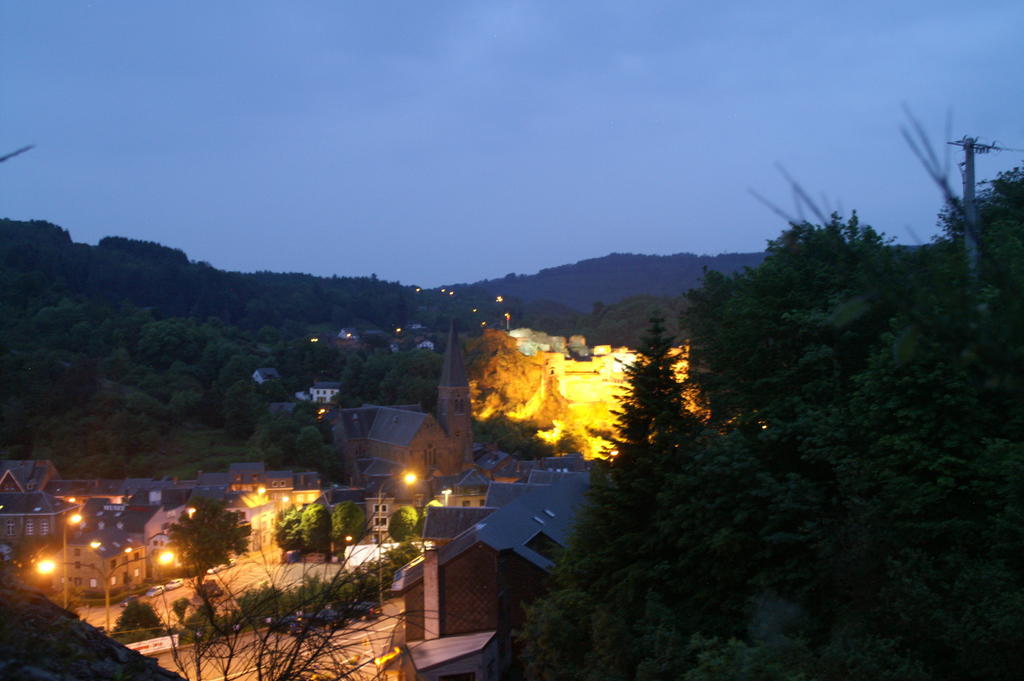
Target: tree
{"points": [[208, 536], [316, 528], [347, 520], [288, 530], [137, 622], [403, 522]]}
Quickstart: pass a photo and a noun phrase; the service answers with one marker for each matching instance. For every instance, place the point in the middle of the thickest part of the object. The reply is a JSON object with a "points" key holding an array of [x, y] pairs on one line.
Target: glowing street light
{"points": [[409, 478], [500, 299], [46, 567], [166, 558]]}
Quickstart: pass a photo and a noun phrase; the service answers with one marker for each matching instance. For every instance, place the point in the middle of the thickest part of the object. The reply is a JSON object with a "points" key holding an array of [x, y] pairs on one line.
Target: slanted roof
{"points": [[29, 474], [453, 373], [503, 493], [378, 467], [438, 651], [30, 503], [447, 522], [542, 477], [396, 426], [327, 385], [548, 510], [70, 488], [268, 372], [113, 541], [492, 460], [355, 423]]}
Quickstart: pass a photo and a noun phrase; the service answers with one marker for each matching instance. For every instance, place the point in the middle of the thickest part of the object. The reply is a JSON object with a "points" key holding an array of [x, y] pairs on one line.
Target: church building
{"points": [[375, 439]]}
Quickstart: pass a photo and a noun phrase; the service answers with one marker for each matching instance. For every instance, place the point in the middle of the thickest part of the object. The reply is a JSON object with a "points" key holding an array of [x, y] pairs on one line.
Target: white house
{"points": [[265, 374], [324, 391]]}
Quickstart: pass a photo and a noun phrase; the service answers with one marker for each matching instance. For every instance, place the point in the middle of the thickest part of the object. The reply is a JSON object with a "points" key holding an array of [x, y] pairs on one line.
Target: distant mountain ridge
{"points": [[617, 276]]}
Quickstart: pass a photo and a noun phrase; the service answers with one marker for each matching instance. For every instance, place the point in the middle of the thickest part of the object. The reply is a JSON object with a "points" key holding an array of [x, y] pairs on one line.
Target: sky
{"points": [[443, 141]]}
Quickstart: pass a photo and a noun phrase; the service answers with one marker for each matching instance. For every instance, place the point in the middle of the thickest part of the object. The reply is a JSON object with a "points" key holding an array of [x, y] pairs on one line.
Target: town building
{"points": [[463, 600], [427, 444], [265, 374], [323, 392], [108, 558], [26, 475], [29, 517]]}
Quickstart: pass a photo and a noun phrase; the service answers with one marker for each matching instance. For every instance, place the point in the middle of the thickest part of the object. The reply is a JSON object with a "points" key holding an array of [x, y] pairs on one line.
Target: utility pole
{"points": [[972, 230]]}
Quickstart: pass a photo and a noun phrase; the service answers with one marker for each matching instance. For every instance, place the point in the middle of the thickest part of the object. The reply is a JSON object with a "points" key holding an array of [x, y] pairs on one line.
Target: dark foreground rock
{"points": [[40, 641]]}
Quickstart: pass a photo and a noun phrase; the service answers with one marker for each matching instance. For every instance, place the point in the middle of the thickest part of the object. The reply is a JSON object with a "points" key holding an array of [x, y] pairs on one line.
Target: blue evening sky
{"points": [[441, 141]]}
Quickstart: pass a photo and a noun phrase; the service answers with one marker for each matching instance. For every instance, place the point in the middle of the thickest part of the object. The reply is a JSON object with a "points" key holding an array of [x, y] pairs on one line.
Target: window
{"points": [[380, 508], [11, 528], [92, 582], [113, 563], [44, 526], [30, 526], [113, 580], [78, 552], [380, 521], [465, 502], [136, 572]]}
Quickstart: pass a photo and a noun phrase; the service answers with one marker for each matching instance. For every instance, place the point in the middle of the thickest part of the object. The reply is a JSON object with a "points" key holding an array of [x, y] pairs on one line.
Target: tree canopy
{"points": [[851, 506], [209, 536]]}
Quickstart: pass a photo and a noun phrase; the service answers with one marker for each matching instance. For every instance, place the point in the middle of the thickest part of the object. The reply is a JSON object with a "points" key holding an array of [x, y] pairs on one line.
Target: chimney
{"points": [[431, 596]]}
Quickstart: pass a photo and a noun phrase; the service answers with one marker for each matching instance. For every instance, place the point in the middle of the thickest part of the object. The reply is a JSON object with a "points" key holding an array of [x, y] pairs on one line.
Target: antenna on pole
{"points": [[972, 230]]}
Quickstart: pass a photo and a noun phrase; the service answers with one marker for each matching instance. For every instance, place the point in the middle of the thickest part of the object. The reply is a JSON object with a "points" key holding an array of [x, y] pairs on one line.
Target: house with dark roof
{"points": [[26, 475], [496, 464], [29, 516], [468, 488], [264, 374], [427, 444], [444, 523], [464, 599], [109, 557]]}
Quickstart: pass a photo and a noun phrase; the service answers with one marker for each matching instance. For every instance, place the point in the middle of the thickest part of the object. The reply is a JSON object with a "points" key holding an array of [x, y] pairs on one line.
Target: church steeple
{"points": [[453, 408]]}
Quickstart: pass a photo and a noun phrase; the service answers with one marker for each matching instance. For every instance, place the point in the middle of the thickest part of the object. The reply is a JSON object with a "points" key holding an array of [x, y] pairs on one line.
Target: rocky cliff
{"points": [[40, 641]]}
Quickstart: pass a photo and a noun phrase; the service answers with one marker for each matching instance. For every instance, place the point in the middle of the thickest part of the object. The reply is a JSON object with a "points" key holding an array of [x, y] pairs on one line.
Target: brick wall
{"points": [[414, 613], [469, 592]]}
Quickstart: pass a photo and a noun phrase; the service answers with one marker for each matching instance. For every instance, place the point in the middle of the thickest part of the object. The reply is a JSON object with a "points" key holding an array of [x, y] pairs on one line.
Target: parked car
{"points": [[174, 584], [365, 610], [156, 590], [217, 568], [127, 600]]}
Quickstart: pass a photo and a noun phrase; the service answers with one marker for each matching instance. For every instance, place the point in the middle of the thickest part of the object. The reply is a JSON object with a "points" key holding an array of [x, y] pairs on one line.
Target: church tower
{"points": [[453, 409]]}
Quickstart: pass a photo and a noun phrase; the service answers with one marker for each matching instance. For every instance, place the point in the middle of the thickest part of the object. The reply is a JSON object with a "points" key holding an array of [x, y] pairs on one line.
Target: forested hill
{"points": [[149, 275], [618, 276]]}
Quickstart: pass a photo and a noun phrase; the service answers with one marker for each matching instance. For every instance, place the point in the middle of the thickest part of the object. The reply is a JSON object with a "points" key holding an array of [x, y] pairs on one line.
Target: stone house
{"points": [[464, 599], [30, 516]]}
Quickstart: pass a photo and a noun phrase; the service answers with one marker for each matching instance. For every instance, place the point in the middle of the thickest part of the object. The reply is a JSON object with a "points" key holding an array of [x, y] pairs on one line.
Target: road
{"points": [[348, 651], [247, 573]]}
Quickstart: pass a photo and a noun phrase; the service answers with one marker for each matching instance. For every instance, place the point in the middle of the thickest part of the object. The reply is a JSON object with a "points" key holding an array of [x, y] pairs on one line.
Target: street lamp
{"points": [[46, 567], [74, 519], [409, 478]]}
